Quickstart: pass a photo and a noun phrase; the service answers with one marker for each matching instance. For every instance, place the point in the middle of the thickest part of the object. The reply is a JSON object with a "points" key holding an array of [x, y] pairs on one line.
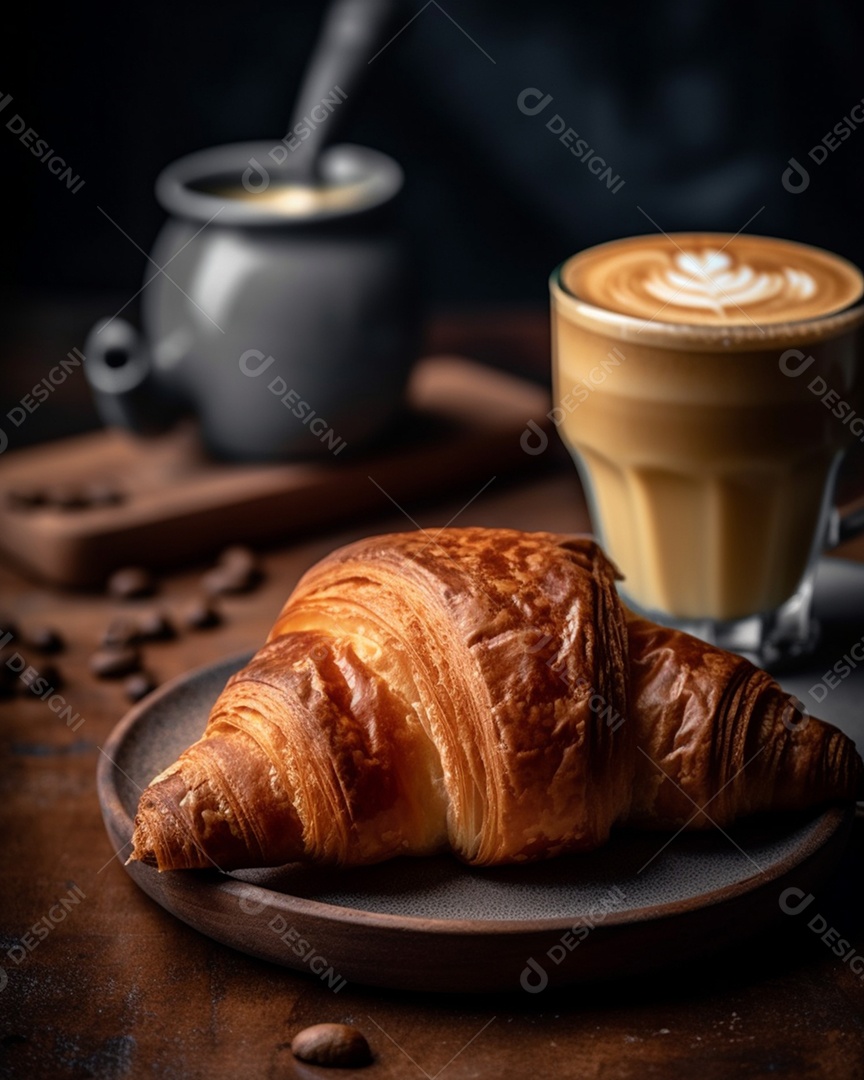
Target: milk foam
{"points": [[710, 280], [713, 280]]}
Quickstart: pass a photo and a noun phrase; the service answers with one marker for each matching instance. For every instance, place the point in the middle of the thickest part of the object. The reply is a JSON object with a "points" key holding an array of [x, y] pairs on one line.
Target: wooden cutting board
{"points": [[175, 505]]}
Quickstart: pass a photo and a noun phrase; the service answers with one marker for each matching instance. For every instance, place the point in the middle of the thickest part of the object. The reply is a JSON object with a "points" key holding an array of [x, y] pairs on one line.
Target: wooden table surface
{"points": [[113, 986]]}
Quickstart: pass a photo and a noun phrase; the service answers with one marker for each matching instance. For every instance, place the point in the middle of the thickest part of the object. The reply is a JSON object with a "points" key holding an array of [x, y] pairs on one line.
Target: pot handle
{"points": [[120, 371]]}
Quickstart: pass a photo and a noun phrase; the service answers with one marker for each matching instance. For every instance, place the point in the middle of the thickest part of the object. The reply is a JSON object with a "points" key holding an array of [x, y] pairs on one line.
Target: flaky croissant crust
{"points": [[482, 690]]}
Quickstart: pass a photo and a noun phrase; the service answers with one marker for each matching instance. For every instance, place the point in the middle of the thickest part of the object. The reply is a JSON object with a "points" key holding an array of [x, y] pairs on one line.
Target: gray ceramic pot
{"points": [[288, 325]]}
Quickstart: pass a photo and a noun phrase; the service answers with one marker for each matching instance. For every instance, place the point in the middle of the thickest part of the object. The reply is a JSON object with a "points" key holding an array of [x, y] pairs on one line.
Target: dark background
{"points": [[696, 104]]}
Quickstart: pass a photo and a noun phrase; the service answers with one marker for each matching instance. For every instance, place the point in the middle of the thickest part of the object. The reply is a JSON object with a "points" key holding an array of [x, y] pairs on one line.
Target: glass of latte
{"points": [[708, 386]]}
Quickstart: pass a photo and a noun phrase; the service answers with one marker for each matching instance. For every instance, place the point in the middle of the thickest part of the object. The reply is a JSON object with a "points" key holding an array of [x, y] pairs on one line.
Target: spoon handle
{"points": [[352, 32]]}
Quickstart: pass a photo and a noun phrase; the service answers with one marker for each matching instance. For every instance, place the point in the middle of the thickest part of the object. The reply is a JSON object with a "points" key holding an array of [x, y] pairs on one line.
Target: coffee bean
{"points": [[26, 498], [115, 663], [201, 615], [14, 665], [52, 675], [98, 495], [239, 558], [65, 497], [7, 680], [331, 1044], [25, 679], [139, 685], [220, 581], [121, 631], [131, 582], [43, 639], [155, 626], [236, 571], [6, 654], [228, 580]]}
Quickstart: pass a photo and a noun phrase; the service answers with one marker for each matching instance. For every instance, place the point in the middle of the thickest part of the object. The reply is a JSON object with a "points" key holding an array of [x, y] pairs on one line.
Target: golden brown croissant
{"points": [[482, 690]]}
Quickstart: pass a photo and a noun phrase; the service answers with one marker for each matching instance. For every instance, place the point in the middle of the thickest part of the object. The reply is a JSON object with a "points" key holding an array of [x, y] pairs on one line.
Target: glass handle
{"points": [[843, 527]]}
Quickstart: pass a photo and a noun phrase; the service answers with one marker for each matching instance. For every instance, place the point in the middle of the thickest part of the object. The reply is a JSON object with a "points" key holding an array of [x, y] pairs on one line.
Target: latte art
{"points": [[702, 279], [711, 281]]}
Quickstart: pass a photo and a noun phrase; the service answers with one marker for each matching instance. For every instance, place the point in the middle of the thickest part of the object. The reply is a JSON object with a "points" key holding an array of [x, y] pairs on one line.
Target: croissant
{"points": [[483, 691]]}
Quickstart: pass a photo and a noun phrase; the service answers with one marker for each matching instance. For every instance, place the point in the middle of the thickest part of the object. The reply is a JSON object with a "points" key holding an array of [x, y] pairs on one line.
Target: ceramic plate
{"points": [[643, 901]]}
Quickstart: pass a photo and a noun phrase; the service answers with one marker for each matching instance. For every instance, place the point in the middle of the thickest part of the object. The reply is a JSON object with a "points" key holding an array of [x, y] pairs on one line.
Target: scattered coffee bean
{"points": [[155, 626], [26, 498], [227, 580], [139, 685], [222, 582], [331, 1044], [52, 675], [102, 495], [7, 682], [121, 631], [43, 639], [65, 497], [131, 582], [236, 571], [201, 615], [35, 675], [115, 663], [239, 558]]}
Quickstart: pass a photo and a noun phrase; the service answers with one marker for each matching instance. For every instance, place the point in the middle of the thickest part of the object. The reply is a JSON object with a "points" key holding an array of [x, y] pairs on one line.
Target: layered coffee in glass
{"points": [[708, 386]]}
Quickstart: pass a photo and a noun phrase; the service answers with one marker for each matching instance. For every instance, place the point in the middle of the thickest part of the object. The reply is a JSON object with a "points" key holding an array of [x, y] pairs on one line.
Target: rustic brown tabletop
{"points": [[96, 980]]}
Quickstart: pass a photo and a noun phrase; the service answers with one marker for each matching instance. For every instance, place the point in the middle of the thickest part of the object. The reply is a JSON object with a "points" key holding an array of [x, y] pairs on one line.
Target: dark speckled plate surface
{"points": [[642, 901]]}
